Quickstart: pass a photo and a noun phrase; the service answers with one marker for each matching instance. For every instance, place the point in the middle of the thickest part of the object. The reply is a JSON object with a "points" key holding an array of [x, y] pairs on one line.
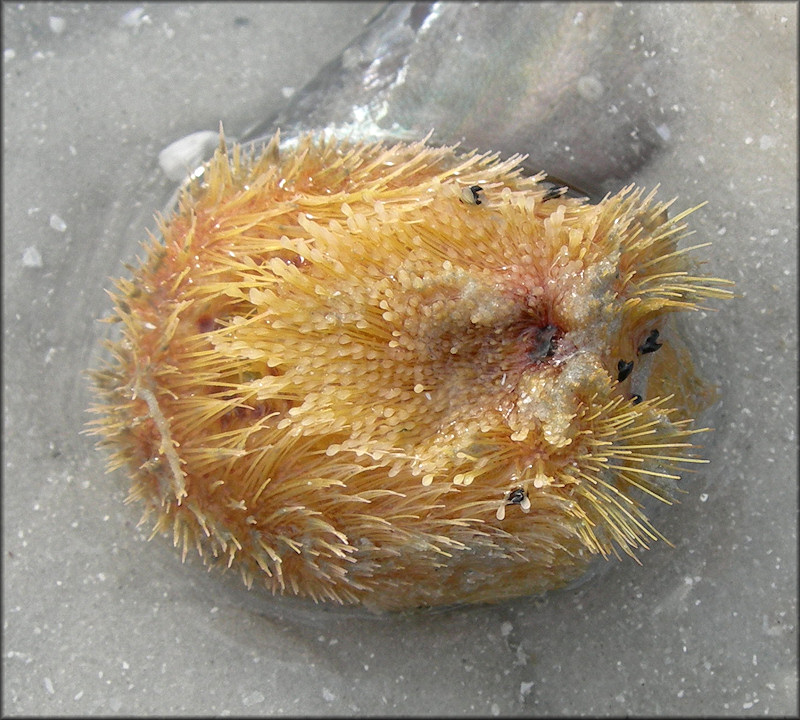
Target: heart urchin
{"points": [[402, 376]]}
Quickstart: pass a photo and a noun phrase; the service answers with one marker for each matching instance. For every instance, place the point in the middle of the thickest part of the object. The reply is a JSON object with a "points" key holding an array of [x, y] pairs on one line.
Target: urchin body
{"points": [[393, 375]]}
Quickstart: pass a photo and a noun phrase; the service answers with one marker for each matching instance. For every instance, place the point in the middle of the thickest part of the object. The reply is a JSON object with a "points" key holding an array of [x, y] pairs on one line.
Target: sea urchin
{"points": [[400, 375]]}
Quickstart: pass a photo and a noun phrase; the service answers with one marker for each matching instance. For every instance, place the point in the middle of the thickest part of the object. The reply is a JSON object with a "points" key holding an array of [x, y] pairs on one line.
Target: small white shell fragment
{"points": [[57, 24], [181, 157], [31, 258], [57, 223], [664, 132], [134, 18]]}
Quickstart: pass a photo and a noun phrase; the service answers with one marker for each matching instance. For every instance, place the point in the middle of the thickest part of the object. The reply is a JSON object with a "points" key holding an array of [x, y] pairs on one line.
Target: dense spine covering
{"points": [[390, 374]]}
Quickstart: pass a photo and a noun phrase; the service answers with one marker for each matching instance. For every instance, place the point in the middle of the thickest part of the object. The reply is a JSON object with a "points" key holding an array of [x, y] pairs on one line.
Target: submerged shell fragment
{"points": [[398, 375]]}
